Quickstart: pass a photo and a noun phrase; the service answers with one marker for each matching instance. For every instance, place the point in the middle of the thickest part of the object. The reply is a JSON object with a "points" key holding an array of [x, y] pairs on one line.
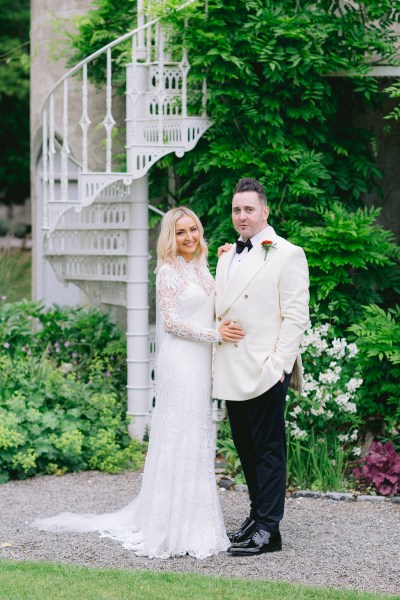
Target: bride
{"points": [[177, 511]]}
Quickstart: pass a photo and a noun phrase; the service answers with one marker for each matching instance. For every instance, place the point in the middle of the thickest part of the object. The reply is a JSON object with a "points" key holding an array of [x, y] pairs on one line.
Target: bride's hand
{"points": [[231, 331], [225, 248]]}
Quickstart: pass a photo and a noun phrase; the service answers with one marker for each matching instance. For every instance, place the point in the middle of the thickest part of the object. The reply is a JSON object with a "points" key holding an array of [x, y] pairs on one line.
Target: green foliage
{"points": [[79, 340], [226, 449], [14, 100], [277, 116], [328, 404], [352, 260], [15, 275], [109, 20], [282, 115], [62, 392], [377, 335], [316, 464], [393, 92]]}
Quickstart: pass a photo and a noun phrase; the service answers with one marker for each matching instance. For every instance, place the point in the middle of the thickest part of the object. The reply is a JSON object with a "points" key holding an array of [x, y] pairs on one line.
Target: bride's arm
{"points": [[169, 287]]}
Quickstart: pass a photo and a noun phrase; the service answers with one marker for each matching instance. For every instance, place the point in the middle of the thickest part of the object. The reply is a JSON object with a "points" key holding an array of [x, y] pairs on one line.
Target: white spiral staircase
{"points": [[95, 222]]}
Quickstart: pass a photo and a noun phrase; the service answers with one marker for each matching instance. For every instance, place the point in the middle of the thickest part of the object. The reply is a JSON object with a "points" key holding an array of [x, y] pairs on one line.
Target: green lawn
{"points": [[46, 581], [15, 274]]}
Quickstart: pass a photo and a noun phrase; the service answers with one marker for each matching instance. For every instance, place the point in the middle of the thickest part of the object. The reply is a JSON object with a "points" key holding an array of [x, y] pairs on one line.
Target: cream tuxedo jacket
{"points": [[268, 296]]}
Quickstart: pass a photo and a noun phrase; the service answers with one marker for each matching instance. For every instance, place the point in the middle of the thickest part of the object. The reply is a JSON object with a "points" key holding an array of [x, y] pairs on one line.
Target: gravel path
{"points": [[336, 544]]}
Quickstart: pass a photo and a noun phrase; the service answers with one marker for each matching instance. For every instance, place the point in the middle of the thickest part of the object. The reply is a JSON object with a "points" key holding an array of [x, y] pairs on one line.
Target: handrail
{"points": [[94, 55], [157, 121], [112, 44]]}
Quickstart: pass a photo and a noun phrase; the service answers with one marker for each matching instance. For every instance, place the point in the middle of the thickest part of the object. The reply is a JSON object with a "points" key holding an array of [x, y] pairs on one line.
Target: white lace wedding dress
{"points": [[177, 510]]}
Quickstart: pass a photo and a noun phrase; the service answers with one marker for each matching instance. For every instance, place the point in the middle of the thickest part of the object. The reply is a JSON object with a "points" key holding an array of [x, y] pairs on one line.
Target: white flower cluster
{"points": [[343, 400], [297, 433], [315, 338], [353, 384], [327, 386], [297, 409], [348, 437]]}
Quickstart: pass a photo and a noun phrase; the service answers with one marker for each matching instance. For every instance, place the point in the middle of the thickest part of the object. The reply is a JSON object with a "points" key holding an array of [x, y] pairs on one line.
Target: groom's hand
{"points": [[231, 331], [225, 248]]}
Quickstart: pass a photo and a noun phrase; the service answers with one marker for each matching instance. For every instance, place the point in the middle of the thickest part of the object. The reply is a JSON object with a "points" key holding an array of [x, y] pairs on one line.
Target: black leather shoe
{"points": [[260, 542], [244, 532]]}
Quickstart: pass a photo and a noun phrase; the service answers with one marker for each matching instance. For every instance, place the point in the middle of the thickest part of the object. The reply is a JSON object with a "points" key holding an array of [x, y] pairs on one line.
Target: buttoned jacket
{"points": [[268, 296]]}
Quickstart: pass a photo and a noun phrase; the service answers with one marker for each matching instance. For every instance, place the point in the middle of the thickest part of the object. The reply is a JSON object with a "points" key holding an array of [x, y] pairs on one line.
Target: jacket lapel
{"points": [[228, 292]]}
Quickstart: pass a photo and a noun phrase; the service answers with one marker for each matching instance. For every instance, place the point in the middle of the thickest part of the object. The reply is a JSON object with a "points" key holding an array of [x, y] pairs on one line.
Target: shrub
{"points": [[377, 335], [80, 340], [353, 261], [62, 392], [4, 227], [380, 468], [328, 404]]}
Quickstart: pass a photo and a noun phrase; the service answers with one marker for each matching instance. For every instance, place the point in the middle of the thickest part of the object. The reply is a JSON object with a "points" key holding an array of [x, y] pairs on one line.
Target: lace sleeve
{"points": [[169, 287]]}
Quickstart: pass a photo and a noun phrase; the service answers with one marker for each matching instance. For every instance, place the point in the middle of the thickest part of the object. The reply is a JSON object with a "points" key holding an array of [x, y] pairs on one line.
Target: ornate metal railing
{"points": [[157, 120]]}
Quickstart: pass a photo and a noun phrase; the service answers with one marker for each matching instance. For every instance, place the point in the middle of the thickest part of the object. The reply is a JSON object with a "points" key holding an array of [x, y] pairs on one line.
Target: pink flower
{"points": [[6, 345]]}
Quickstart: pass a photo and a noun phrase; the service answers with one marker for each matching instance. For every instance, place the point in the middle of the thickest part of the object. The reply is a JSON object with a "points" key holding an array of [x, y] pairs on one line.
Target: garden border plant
{"points": [[62, 392]]}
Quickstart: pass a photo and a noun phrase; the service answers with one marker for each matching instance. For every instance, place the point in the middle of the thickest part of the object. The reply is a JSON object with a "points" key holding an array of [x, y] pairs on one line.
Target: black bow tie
{"points": [[240, 246]]}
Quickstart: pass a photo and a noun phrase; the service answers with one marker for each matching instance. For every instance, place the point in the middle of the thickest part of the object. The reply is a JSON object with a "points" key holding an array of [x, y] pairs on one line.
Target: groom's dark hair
{"points": [[251, 185]]}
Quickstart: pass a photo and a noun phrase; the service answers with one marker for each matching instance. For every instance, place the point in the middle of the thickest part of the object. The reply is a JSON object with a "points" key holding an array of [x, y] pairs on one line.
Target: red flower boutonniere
{"points": [[266, 245]]}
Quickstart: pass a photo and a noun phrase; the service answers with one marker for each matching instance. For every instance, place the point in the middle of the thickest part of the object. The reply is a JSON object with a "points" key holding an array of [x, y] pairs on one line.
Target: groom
{"points": [[262, 285]]}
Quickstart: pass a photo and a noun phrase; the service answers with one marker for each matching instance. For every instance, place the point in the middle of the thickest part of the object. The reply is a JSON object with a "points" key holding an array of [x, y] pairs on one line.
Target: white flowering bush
{"points": [[327, 407]]}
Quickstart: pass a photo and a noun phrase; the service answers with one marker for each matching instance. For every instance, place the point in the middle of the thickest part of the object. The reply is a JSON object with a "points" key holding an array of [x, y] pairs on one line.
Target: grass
{"points": [[47, 581], [15, 274]]}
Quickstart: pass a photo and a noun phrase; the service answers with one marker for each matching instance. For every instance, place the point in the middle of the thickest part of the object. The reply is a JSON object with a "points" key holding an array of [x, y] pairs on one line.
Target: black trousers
{"points": [[258, 431]]}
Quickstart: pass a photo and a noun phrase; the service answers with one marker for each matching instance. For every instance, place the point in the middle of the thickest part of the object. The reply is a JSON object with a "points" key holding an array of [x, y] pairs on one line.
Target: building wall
{"points": [[47, 66], [49, 51], [388, 161]]}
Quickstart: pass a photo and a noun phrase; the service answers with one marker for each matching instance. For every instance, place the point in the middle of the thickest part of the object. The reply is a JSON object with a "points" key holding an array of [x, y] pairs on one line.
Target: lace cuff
{"points": [[169, 288]]}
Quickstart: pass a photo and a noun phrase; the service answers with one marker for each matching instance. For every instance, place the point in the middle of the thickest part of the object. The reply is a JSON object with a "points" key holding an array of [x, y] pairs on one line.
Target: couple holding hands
{"points": [[260, 301]]}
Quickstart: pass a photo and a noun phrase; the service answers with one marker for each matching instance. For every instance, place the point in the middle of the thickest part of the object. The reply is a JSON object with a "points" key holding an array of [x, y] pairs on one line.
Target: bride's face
{"points": [[187, 237]]}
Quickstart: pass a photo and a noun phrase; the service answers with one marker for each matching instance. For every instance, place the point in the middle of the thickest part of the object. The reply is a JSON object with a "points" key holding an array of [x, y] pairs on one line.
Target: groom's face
{"points": [[249, 215]]}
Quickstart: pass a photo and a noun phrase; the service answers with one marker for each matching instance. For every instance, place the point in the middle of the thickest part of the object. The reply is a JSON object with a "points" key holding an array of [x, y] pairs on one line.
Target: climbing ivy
{"points": [[281, 113]]}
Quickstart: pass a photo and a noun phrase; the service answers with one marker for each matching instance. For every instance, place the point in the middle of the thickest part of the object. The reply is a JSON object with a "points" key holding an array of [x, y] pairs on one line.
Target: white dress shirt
{"points": [[238, 258]]}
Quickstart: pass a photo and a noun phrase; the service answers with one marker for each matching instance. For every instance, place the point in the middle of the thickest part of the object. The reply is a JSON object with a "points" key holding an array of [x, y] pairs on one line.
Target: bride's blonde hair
{"points": [[166, 245]]}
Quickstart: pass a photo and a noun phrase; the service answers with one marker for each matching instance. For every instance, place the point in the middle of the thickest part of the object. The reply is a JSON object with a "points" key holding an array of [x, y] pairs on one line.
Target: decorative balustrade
{"points": [[71, 242], [89, 268], [101, 214]]}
